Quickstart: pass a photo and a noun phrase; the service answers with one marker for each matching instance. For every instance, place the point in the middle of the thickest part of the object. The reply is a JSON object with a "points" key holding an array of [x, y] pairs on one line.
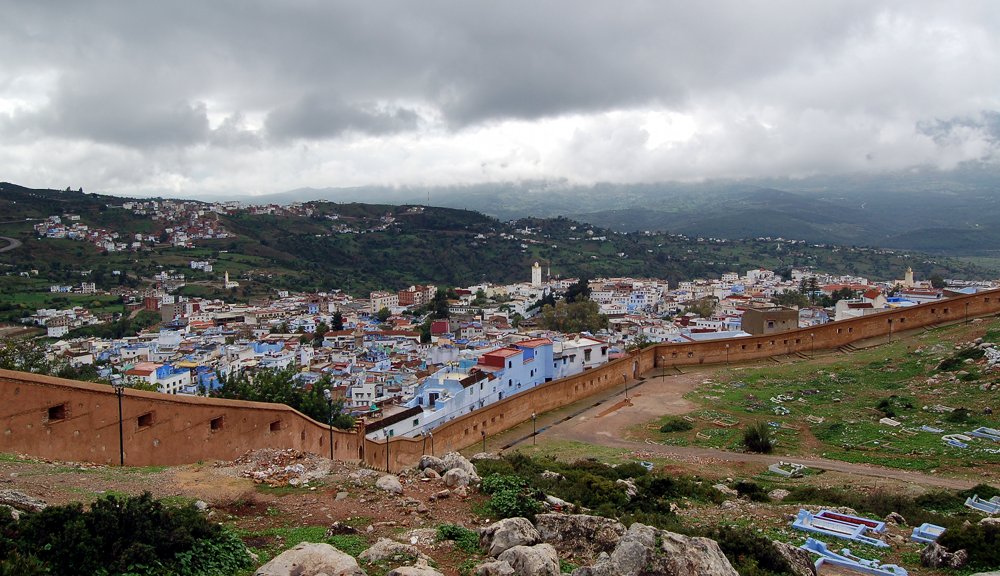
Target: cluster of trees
{"points": [[29, 356], [576, 312], [280, 387]]}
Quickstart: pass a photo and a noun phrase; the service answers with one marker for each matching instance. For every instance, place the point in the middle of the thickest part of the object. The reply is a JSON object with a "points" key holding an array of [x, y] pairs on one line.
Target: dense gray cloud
{"points": [[261, 96]]}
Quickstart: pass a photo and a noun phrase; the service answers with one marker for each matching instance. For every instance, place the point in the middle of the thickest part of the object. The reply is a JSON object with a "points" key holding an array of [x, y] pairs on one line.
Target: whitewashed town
{"points": [[381, 364]]}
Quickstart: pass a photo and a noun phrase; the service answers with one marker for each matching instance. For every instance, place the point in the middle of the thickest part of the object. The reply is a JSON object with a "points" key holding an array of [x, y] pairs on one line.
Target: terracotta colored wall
{"points": [[511, 411], [179, 430]]}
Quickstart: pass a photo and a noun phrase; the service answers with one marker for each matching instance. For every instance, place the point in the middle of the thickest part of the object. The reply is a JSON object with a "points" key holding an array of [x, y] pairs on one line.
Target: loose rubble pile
{"points": [[280, 467]]}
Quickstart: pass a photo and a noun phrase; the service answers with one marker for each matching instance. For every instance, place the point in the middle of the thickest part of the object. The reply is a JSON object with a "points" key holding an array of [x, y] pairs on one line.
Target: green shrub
{"points": [[124, 535], [750, 553], [982, 542], [957, 360], [959, 416], [676, 425], [509, 496], [631, 470], [757, 438], [752, 490], [465, 539]]}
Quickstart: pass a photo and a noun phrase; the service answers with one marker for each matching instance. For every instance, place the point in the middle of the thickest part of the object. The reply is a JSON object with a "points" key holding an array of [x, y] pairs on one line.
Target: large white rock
{"points": [[309, 559], [390, 484], [456, 477], [420, 569], [537, 560], [500, 536], [579, 534], [453, 460], [386, 550], [638, 554], [495, 568]]}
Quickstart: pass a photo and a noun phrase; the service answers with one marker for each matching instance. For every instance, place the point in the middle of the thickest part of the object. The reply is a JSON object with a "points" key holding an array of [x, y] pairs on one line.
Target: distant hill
{"points": [[362, 247], [896, 210]]}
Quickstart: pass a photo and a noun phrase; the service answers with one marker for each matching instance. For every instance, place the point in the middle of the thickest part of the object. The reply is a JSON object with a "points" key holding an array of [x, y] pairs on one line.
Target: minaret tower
{"points": [[536, 275]]}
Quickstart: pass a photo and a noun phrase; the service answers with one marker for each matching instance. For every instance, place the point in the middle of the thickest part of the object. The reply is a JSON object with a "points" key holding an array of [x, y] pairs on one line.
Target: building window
{"points": [[57, 412], [216, 423], [144, 420], [275, 426]]}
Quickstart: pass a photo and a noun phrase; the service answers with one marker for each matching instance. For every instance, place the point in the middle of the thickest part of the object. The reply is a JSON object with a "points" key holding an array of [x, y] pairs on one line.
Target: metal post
{"points": [[329, 416], [727, 354], [484, 439], [625, 381], [423, 447], [534, 432], [120, 391], [431, 434], [890, 329], [386, 432], [812, 344]]}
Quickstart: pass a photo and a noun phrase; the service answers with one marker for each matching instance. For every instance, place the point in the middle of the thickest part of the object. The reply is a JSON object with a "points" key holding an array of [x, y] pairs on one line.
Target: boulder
{"points": [[456, 477], [484, 456], [432, 463], [799, 561], [778, 494], [494, 568], [309, 558], [678, 555], [639, 554], [440, 495], [453, 460], [431, 473], [21, 501], [725, 490], [390, 484], [421, 568], [990, 521], [628, 486], [507, 533], [895, 518], [579, 534], [537, 560], [937, 556], [14, 512], [200, 505], [386, 550]]}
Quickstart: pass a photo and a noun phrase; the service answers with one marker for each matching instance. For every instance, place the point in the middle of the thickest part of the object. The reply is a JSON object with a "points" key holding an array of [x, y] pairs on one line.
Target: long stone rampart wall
{"points": [[68, 420]]}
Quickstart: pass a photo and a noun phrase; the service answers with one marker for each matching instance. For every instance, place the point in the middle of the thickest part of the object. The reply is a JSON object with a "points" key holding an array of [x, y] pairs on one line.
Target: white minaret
{"points": [[908, 279], [536, 275]]}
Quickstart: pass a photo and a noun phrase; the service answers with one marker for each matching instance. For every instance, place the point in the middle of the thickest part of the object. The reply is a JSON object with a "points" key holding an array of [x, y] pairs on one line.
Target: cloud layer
{"points": [[248, 97]]}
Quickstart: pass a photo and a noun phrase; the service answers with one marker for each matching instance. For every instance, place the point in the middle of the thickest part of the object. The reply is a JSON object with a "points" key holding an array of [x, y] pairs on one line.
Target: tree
{"points": [[703, 307], [319, 334], [579, 316], [791, 298], [337, 322], [580, 290], [383, 314], [937, 281]]}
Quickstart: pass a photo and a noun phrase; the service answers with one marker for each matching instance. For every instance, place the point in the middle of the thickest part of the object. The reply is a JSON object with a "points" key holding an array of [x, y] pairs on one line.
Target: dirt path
{"points": [[12, 243], [608, 425]]}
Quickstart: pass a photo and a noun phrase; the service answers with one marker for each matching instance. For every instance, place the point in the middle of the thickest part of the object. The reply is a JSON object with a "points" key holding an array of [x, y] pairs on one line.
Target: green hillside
{"points": [[363, 247]]}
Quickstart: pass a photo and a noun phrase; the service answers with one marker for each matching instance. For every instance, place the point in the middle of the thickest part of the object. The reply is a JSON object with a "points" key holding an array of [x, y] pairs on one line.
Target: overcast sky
{"points": [[188, 98]]}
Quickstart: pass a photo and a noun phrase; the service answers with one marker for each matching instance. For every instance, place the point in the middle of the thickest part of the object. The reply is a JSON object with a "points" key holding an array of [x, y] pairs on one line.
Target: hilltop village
{"points": [[415, 358]]}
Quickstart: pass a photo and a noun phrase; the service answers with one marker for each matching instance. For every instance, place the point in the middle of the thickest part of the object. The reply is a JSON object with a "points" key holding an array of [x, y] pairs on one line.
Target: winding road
{"points": [[12, 243]]}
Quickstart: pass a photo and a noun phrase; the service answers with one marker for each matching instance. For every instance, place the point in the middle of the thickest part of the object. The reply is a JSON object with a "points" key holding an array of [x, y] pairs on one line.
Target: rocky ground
{"points": [[277, 500]]}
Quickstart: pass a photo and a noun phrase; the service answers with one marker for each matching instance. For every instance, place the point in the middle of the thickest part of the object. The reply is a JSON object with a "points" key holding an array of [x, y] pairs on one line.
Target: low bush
{"points": [[957, 360], [676, 425], [465, 539], [982, 542], [757, 438], [750, 553], [509, 496], [752, 491], [120, 535]]}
